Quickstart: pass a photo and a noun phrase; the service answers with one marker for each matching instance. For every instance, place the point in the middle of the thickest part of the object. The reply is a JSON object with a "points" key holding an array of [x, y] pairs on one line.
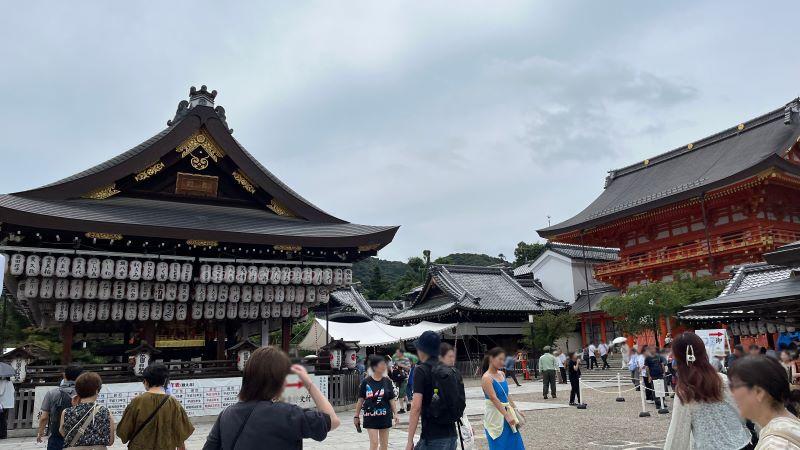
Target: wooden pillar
{"points": [[286, 333], [67, 331], [265, 333], [221, 335], [149, 332]]}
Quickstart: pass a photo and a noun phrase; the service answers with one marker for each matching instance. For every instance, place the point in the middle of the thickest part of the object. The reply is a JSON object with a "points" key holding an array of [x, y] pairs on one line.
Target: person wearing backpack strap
{"points": [[761, 390], [439, 399], [54, 403]]}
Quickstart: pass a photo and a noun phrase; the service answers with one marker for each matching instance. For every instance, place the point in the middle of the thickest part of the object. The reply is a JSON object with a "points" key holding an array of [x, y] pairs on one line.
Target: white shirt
{"points": [[640, 363], [603, 349], [6, 394], [562, 358], [592, 349]]}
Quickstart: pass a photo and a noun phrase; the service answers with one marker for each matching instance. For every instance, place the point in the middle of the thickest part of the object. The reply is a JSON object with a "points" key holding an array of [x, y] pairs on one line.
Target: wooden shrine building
{"points": [[185, 242]]}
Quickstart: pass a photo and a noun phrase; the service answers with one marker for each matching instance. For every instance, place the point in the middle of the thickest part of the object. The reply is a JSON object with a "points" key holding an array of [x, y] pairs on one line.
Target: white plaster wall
{"points": [[555, 273]]}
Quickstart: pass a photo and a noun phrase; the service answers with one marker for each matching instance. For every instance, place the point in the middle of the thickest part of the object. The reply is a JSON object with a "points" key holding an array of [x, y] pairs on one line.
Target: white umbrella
{"points": [[619, 340]]}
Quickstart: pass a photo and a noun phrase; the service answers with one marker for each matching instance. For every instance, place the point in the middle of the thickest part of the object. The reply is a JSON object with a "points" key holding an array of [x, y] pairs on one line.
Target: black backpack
{"points": [[61, 403], [448, 400]]}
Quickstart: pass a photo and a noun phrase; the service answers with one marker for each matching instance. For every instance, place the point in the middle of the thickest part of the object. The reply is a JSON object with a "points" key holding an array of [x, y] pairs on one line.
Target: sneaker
{"points": [[545, 397], [650, 401], [572, 404]]}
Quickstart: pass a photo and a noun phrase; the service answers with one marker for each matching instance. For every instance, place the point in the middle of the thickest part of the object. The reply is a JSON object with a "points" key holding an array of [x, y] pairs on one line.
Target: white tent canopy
{"points": [[367, 333]]}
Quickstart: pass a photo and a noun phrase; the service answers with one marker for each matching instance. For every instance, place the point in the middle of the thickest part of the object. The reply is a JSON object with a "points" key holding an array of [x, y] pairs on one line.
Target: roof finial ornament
{"points": [[201, 97], [792, 107]]}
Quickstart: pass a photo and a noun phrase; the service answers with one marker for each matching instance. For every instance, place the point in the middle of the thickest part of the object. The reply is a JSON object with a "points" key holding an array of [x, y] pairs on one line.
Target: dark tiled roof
{"points": [[777, 291], [581, 304], [471, 288], [572, 251], [350, 300], [749, 276], [788, 255], [685, 172]]}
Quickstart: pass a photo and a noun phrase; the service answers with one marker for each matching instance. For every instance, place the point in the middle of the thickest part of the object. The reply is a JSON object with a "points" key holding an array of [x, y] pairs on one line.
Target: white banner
{"points": [[203, 397], [714, 340]]}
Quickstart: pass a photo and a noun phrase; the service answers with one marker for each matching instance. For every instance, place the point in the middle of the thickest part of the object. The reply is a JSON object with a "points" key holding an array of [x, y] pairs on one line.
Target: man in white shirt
{"points": [[562, 368], [603, 349], [592, 356]]}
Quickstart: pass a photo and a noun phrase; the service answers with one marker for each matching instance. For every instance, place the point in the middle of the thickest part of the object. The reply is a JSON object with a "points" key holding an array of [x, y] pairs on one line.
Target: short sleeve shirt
{"points": [[377, 395], [423, 384], [52, 396]]}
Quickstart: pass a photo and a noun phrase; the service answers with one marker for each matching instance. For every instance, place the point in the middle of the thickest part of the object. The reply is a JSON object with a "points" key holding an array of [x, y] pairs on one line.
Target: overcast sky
{"points": [[468, 124]]}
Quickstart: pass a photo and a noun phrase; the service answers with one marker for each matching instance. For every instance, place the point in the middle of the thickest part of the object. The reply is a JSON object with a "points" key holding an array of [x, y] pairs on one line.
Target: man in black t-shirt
{"points": [[434, 436]]}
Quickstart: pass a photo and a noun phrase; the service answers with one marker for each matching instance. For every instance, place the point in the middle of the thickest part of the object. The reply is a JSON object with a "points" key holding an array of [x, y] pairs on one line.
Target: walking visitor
{"points": [[53, 404], [603, 350], [574, 371], [633, 367], [154, 420], [511, 369], [547, 367], [501, 418], [399, 377], [447, 356], [592, 356], [377, 401], [259, 420], [759, 386], [654, 362], [6, 405], [704, 415], [625, 351], [438, 412], [562, 365], [88, 424]]}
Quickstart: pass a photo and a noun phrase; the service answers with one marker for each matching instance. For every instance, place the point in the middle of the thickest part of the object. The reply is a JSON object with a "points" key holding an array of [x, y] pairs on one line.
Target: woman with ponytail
{"points": [[500, 418], [704, 415], [762, 392]]}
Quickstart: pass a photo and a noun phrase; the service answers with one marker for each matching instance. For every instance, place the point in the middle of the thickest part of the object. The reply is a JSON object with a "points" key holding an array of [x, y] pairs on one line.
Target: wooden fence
{"points": [[343, 388], [23, 415]]}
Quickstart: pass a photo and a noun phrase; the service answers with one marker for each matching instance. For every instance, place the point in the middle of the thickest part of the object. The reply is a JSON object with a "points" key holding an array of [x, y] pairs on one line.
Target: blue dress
{"points": [[508, 440]]}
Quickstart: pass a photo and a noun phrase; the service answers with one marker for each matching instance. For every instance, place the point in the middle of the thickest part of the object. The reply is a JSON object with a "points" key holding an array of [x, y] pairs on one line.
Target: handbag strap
{"points": [[84, 424], [241, 427], [149, 419]]}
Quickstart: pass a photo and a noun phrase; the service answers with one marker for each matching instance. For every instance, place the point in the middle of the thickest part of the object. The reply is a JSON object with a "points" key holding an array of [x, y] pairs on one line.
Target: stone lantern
{"points": [[18, 359], [142, 355]]}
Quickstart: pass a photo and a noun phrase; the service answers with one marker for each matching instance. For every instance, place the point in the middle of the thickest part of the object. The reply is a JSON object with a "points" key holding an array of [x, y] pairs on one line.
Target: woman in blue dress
{"points": [[501, 418]]}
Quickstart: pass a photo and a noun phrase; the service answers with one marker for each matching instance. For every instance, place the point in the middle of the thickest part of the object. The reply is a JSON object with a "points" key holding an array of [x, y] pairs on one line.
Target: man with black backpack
{"points": [[439, 399], [56, 401]]}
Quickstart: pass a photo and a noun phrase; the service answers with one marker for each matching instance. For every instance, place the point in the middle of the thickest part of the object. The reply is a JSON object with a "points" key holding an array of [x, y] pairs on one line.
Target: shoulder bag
{"points": [[148, 420]]}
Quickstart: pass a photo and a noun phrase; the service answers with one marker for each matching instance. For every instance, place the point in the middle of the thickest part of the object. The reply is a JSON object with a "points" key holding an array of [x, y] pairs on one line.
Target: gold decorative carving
{"points": [[103, 192], [199, 163], [368, 247], [740, 127], [109, 236], [646, 162], [690, 146], [149, 172], [200, 139], [244, 182], [287, 248], [202, 243], [278, 208]]}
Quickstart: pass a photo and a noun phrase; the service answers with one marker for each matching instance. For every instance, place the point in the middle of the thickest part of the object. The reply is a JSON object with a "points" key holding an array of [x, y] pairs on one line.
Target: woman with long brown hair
{"points": [[704, 415]]}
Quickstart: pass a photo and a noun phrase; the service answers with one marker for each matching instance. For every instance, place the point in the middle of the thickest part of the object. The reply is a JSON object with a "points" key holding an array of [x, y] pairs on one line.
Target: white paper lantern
{"points": [[184, 292], [205, 273], [171, 292], [76, 289], [241, 274], [169, 312], [106, 269], [269, 294], [782, 328], [297, 275], [337, 358], [243, 311], [289, 294], [771, 327], [199, 292], [46, 287], [219, 312], [197, 311], [162, 271], [156, 311], [234, 293], [217, 273], [350, 358], [180, 311], [299, 294], [280, 294], [148, 270], [209, 310], [323, 294], [296, 309], [266, 310], [103, 310], [734, 328], [311, 294], [286, 310], [258, 293], [118, 311], [48, 266], [32, 287], [33, 265], [93, 268], [308, 275], [316, 277], [61, 312], [143, 310], [17, 264], [63, 266], [76, 312], [247, 293], [286, 275], [753, 327], [174, 273], [79, 267], [159, 292], [62, 289], [121, 269], [230, 273], [348, 277], [103, 289], [252, 274], [135, 270], [90, 289], [222, 294], [253, 310], [118, 290], [338, 277], [276, 309], [327, 276], [89, 311], [762, 327], [132, 290], [145, 290], [186, 272], [275, 275], [263, 275], [212, 292]]}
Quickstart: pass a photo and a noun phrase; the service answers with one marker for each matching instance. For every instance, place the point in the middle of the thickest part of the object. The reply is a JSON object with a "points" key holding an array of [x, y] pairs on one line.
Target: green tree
{"points": [[547, 328], [525, 253], [377, 287]]}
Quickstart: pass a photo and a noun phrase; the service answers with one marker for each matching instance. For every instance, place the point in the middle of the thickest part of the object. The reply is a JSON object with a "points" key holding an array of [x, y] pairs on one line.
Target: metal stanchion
{"points": [[582, 403], [620, 398], [663, 392], [643, 389]]}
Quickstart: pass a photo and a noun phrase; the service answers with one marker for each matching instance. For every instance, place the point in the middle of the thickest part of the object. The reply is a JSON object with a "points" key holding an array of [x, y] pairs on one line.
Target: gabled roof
{"points": [[352, 303], [749, 276], [686, 172], [476, 289], [571, 251], [104, 198], [787, 255], [583, 302], [770, 299]]}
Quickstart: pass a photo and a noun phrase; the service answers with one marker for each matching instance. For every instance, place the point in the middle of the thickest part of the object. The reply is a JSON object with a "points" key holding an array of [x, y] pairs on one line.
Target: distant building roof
{"points": [[687, 171], [749, 276], [351, 303], [788, 255], [583, 302], [572, 251]]}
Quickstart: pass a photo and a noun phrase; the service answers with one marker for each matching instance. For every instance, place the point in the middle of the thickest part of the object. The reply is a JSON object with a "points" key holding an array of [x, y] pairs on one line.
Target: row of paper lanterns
{"points": [[77, 289], [148, 270], [754, 327], [129, 311]]}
